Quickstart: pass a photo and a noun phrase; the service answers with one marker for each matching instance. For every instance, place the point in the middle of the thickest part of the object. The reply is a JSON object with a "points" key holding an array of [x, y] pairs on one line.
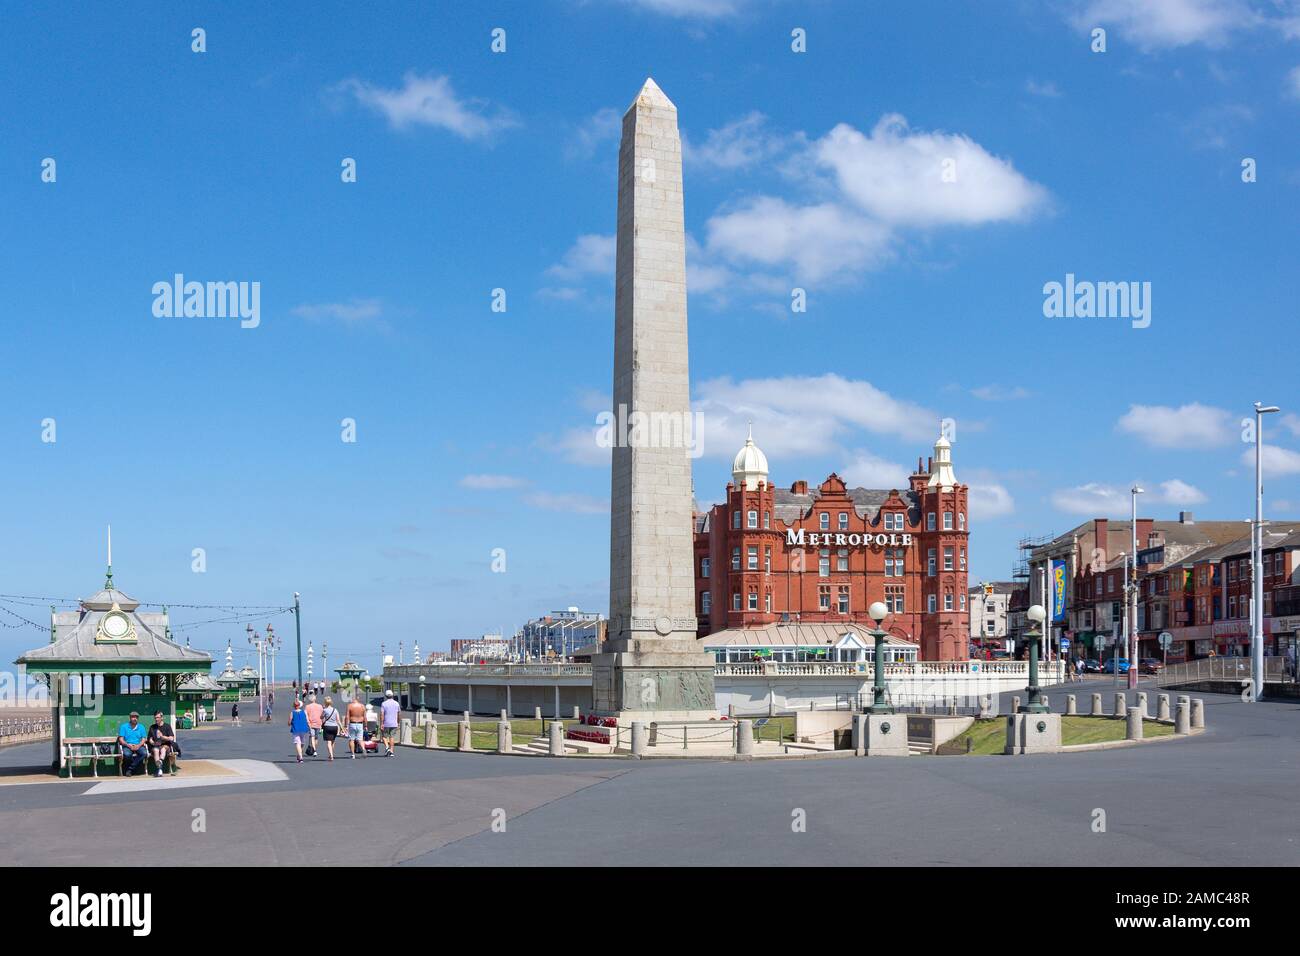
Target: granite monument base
{"points": [[1033, 734]]}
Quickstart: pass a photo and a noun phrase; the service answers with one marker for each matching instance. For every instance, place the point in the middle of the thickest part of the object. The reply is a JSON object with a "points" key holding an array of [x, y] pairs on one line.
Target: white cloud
{"points": [[591, 254], [1176, 492], [815, 242], [492, 482], [1154, 24], [1276, 461], [1047, 89], [896, 175], [1293, 83], [578, 445], [870, 471], [799, 415], [1188, 426], [354, 313], [696, 9], [1000, 393], [1092, 499], [603, 126], [1095, 498], [737, 145], [429, 100], [572, 503], [989, 500], [1291, 421]]}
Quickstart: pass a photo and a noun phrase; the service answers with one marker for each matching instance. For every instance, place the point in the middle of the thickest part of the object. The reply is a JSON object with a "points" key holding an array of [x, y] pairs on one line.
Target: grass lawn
{"points": [[484, 732], [990, 736]]}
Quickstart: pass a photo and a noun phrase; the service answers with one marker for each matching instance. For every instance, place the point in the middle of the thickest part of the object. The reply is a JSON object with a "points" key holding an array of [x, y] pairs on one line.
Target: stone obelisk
{"points": [[651, 666]]}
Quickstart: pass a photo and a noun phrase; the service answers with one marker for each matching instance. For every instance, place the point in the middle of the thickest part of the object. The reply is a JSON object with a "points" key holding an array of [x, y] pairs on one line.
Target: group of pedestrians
{"points": [[310, 720], [138, 745]]}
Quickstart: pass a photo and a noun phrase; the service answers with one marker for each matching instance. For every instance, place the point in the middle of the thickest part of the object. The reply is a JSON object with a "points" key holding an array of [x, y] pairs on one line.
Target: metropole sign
{"points": [[840, 539]]}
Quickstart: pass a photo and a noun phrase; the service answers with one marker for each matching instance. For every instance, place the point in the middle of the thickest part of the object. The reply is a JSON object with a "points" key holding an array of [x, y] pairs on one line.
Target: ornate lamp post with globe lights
{"points": [[1035, 704], [878, 612]]}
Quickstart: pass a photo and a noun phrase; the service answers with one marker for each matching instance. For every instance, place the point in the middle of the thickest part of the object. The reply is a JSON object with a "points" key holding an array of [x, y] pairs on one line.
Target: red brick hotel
{"points": [[799, 556]]}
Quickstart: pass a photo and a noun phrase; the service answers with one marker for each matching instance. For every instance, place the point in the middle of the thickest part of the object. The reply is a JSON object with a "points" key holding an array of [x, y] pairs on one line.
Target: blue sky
{"points": [[479, 170]]}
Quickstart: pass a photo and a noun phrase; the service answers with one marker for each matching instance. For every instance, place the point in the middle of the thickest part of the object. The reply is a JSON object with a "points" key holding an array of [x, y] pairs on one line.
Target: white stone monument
{"points": [[651, 666]]}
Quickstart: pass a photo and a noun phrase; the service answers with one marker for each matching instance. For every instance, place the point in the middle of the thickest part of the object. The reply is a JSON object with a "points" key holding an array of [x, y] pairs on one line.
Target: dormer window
{"points": [[947, 521], [929, 521], [844, 521], [825, 519], [752, 519]]}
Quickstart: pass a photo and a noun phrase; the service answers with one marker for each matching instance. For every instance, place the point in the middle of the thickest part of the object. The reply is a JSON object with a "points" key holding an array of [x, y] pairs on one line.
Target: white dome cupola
{"points": [[941, 473], [750, 466]]}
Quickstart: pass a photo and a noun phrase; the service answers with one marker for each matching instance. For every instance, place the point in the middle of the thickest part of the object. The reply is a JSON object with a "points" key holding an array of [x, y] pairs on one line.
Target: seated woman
{"points": [[162, 743]]}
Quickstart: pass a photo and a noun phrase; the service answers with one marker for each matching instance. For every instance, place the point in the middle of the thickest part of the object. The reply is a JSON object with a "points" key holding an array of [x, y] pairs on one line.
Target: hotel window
{"points": [[767, 560], [947, 521], [767, 602], [842, 559], [706, 601], [1232, 605], [752, 518], [704, 567], [963, 602], [961, 521], [844, 521], [930, 603], [963, 559], [735, 519], [823, 563], [825, 519], [767, 519], [894, 598], [844, 600], [1232, 571], [947, 558], [930, 563], [929, 521], [947, 601], [753, 600], [824, 597], [1110, 582], [894, 563], [735, 559], [735, 601], [753, 558]]}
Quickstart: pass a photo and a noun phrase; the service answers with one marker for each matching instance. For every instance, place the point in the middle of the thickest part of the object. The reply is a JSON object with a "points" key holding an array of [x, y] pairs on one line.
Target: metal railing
{"points": [[1236, 669], [1047, 672], [431, 673], [667, 733], [17, 730]]}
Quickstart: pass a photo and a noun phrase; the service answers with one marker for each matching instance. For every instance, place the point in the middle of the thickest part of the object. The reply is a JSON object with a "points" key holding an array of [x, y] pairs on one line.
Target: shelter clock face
{"points": [[116, 626]]}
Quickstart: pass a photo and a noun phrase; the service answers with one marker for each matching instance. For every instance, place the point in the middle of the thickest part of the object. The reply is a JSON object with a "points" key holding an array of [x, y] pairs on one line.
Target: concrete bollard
{"points": [[1183, 717], [1142, 704], [640, 737], [537, 714], [1121, 706], [986, 706], [860, 735], [1071, 709], [1046, 703], [1162, 707], [1096, 706], [1015, 705], [1198, 713], [505, 742], [464, 736], [430, 735], [745, 738], [731, 710], [504, 715], [576, 716], [405, 733], [1134, 723], [557, 739]]}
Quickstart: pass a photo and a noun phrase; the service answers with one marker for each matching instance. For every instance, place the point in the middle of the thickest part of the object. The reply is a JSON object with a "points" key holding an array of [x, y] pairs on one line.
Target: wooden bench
{"points": [[88, 748]]}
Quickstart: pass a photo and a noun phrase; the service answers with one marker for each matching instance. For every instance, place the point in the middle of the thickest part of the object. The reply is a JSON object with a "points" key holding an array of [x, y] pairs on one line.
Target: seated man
{"points": [[131, 738], [162, 743]]}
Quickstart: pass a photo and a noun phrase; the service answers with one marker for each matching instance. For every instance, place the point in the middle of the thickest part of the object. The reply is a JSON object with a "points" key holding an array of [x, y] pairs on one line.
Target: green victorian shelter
{"points": [[106, 659]]}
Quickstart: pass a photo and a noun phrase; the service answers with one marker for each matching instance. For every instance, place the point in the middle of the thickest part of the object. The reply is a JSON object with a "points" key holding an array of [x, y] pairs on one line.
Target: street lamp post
{"points": [[1131, 583], [1035, 704], [1257, 561], [256, 641], [297, 626], [878, 612]]}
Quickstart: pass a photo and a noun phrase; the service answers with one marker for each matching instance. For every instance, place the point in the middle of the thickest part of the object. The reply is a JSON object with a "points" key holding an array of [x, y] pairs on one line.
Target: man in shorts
{"points": [[356, 727], [390, 711], [314, 711]]}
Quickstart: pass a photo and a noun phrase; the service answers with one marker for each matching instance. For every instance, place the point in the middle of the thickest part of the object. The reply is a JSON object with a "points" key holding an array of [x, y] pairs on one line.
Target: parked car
{"points": [[1092, 666], [1001, 656], [1110, 665], [1149, 665]]}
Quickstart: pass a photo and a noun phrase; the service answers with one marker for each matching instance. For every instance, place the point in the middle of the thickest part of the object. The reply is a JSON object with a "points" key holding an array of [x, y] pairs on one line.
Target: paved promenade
{"points": [[1225, 797]]}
